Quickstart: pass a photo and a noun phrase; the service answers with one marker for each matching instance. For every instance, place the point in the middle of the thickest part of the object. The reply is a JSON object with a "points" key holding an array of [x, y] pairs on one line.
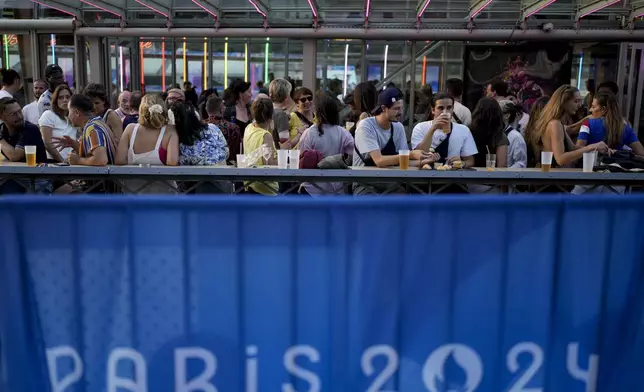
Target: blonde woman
{"points": [[549, 132], [149, 142]]}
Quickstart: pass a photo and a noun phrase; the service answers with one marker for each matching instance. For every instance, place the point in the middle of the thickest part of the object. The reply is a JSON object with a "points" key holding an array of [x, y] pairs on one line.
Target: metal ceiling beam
{"points": [[75, 12], [637, 11], [477, 6], [314, 9], [106, 7], [421, 7], [588, 7], [47, 25], [156, 7], [480, 35], [209, 8], [535, 7], [367, 7]]}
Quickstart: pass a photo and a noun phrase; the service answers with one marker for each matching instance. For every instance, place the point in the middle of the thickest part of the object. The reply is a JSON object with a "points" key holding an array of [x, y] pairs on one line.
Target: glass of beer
{"points": [[546, 161], [403, 156], [30, 155]]}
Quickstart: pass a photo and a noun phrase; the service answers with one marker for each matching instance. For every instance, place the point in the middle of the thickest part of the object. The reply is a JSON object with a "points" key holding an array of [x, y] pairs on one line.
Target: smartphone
{"points": [[62, 164]]}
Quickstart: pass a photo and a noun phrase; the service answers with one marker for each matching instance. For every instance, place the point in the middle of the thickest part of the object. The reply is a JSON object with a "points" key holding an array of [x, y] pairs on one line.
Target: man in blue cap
{"points": [[379, 138]]}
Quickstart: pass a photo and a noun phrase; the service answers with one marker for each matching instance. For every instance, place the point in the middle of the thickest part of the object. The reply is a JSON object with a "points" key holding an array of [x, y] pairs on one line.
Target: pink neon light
{"points": [[422, 11], [539, 9], [315, 14], [100, 8], [204, 8], [366, 15], [257, 8], [481, 9], [52, 7], [153, 9], [600, 8]]}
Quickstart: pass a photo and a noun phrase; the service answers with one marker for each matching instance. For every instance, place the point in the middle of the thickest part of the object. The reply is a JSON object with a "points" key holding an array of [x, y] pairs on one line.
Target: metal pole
{"points": [[79, 62], [211, 71], [286, 57], [482, 35], [363, 62], [638, 92], [173, 81], [49, 26], [412, 93], [631, 82], [621, 72]]}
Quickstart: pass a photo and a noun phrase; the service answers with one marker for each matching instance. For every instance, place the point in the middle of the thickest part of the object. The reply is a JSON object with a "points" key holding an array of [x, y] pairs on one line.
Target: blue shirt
{"points": [[593, 131], [29, 135]]}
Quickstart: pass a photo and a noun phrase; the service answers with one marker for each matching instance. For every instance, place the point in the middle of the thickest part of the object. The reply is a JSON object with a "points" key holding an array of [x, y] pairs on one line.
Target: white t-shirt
{"points": [[371, 137], [59, 128], [44, 102], [5, 94], [31, 113], [463, 114], [461, 142]]}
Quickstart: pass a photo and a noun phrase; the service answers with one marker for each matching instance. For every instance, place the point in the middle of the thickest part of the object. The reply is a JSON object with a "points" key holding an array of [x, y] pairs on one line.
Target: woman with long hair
{"points": [[327, 137], [237, 98], [259, 143], [487, 129], [55, 124], [199, 144], [608, 125], [529, 129], [549, 133], [148, 143]]}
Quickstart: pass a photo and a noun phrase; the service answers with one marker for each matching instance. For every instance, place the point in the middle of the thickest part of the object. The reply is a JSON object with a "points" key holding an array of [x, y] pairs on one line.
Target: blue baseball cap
{"points": [[387, 98]]}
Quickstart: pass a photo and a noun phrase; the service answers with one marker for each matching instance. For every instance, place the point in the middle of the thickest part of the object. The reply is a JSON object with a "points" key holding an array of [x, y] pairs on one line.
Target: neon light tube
{"points": [[599, 8], [185, 60], [422, 11], [257, 8], [226, 63], [141, 54], [581, 65], [205, 9], [368, 6], [315, 14], [152, 8], [488, 2], [346, 69], [386, 54], [121, 67], [423, 77], [266, 51], [100, 8], [52, 41], [52, 7], [6, 51], [205, 63], [163, 65], [539, 9], [246, 62]]}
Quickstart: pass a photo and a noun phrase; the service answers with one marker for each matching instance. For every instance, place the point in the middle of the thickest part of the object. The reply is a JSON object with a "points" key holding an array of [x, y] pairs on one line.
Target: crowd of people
{"points": [[365, 129]]}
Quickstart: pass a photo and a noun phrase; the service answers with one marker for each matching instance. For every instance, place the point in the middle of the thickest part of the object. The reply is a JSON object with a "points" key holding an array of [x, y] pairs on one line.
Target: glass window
{"points": [[295, 62], [156, 63], [338, 65], [267, 61], [192, 62]]}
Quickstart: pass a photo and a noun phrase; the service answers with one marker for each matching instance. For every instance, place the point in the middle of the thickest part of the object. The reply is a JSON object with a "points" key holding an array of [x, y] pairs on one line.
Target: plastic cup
{"points": [[546, 161], [490, 161], [241, 160], [30, 155], [403, 157], [589, 161], [293, 159], [282, 159]]}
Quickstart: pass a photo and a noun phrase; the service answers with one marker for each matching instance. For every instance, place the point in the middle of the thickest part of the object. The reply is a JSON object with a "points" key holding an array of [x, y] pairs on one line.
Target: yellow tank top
{"points": [[253, 140]]}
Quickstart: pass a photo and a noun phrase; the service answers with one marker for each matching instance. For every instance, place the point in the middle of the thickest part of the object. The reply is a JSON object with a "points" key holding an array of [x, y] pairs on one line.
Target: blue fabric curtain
{"points": [[407, 294]]}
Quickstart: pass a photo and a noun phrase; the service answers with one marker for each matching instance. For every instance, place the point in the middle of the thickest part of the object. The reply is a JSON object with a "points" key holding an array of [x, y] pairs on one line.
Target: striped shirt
{"points": [[97, 134]]}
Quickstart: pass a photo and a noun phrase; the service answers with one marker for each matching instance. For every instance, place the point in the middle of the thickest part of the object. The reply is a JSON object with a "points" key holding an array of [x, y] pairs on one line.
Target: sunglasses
{"points": [[304, 99]]}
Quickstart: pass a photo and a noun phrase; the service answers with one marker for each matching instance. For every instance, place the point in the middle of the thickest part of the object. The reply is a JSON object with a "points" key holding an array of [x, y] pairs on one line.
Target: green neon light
{"points": [[266, 50], [6, 51]]}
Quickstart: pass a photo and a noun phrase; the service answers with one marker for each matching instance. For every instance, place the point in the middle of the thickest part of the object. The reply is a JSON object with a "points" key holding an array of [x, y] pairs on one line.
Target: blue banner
{"points": [[256, 294]]}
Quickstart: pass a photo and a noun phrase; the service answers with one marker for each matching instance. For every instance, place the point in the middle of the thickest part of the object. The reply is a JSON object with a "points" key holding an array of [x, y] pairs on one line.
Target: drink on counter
{"points": [[30, 155], [403, 156], [546, 161]]}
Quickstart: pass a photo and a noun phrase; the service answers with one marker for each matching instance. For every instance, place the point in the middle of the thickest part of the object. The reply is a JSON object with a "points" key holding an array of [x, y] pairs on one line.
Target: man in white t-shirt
{"points": [[30, 111], [451, 141], [54, 77], [461, 114]]}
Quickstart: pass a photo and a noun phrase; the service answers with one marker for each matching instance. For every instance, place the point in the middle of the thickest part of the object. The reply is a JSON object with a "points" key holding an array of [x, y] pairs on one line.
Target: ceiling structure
{"points": [[425, 14]]}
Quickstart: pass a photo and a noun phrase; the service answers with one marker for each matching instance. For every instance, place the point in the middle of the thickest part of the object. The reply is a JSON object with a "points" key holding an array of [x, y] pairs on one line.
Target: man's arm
{"points": [[98, 157], [14, 154]]}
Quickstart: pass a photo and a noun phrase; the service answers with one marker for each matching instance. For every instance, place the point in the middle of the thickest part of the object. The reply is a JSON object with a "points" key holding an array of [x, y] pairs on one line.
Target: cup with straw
{"points": [[490, 160]]}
